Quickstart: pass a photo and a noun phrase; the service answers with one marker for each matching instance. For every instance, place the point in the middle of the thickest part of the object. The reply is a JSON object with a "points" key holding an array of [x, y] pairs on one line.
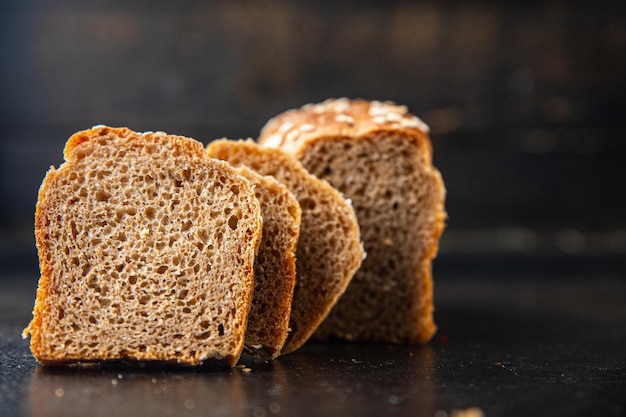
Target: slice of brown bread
{"points": [[329, 249], [379, 156], [275, 266], [146, 250]]}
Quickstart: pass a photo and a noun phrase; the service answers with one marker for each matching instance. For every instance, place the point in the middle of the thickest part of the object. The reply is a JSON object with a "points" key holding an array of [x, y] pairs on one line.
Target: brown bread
{"points": [[379, 156], [274, 268], [329, 250], [146, 250]]}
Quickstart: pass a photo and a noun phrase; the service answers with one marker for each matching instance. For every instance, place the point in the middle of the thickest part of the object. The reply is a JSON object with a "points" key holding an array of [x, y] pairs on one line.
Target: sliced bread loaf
{"points": [[329, 249], [274, 268], [379, 156], [146, 250]]}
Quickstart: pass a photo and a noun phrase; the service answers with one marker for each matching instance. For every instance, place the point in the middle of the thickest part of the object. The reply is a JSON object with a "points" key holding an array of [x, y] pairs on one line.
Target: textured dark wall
{"points": [[526, 103]]}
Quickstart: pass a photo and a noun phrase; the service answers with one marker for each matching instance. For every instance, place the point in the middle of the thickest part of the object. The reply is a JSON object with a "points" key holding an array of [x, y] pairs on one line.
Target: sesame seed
{"points": [[285, 127], [344, 118], [379, 120], [330, 105], [378, 108], [394, 117], [273, 141], [415, 122], [292, 135], [307, 127]]}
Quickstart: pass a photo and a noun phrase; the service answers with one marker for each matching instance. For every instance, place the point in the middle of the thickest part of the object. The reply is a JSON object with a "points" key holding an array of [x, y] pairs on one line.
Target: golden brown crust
{"points": [[274, 267], [183, 169], [73, 152], [328, 136], [292, 130]]}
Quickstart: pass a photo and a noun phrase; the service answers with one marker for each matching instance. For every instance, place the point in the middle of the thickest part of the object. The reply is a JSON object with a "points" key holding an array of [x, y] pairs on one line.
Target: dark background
{"points": [[527, 106], [526, 103]]}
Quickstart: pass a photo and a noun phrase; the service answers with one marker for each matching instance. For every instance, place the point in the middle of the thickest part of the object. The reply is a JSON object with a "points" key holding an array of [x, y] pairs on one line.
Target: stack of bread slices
{"points": [[154, 248]]}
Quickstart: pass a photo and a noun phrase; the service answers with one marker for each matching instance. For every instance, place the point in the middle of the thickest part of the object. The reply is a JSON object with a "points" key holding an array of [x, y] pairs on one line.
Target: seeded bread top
{"points": [[342, 116]]}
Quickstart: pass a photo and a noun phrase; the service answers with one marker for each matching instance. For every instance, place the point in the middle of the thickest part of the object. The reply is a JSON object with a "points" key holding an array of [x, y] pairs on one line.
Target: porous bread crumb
{"points": [[146, 251]]}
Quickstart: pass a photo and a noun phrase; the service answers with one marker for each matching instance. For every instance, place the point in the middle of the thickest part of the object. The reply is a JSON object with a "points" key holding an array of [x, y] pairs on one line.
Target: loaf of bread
{"points": [[274, 268], [146, 250], [379, 156], [329, 250]]}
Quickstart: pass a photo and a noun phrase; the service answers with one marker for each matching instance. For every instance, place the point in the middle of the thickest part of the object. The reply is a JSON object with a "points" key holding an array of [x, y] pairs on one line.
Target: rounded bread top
{"points": [[73, 150], [342, 117]]}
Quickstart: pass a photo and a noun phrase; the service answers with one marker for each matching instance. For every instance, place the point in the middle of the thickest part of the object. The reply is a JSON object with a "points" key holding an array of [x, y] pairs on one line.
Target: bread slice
{"points": [[146, 250], [380, 156], [274, 268], [329, 249]]}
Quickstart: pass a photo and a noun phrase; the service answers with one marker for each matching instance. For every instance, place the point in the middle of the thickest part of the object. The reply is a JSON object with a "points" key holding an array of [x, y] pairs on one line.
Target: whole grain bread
{"points": [[329, 249], [146, 250], [274, 267], [380, 156]]}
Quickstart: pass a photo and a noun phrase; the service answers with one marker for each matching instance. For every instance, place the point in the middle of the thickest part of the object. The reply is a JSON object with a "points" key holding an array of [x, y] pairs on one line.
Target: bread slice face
{"points": [[329, 249], [274, 267], [146, 251], [379, 156]]}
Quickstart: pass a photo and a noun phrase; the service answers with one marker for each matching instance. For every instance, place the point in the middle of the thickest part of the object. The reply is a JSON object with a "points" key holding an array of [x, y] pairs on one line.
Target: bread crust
{"points": [[80, 146], [274, 267], [294, 130], [313, 131]]}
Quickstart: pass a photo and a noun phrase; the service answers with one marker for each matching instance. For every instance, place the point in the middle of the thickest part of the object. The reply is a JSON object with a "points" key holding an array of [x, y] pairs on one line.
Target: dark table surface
{"points": [[505, 347]]}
